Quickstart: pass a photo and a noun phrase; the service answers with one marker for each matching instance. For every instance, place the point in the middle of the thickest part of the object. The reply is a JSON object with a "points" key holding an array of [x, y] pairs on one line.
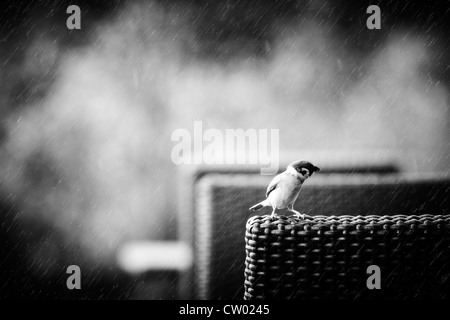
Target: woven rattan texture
{"points": [[326, 257]]}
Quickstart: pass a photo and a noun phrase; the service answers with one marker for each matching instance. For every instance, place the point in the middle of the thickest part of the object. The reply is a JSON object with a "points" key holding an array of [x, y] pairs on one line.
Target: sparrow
{"points": [[283, 190]]}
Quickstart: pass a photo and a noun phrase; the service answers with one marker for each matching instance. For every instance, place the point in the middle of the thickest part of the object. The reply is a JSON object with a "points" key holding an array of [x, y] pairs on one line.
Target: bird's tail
{"points": [[260, 205]]}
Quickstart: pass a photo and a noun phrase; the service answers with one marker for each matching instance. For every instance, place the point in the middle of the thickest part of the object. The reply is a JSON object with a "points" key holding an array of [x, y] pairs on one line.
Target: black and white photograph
{"points": [[243, 151]]}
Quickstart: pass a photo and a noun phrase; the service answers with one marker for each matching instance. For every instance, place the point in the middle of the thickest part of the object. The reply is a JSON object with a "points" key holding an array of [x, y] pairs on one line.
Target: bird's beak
{"points": [[316, 169]]}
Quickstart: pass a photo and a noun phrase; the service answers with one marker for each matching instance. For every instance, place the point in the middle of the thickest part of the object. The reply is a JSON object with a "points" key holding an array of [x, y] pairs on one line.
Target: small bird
{"points": [[283, 190]]}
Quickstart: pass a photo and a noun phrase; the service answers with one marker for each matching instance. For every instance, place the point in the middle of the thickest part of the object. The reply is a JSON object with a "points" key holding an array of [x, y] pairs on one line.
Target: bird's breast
{"points": [[286, 193]]}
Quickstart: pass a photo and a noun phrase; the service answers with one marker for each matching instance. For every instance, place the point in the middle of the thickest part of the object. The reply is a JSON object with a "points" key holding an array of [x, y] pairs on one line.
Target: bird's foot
{"points": [[297, 214], [300, 215]]}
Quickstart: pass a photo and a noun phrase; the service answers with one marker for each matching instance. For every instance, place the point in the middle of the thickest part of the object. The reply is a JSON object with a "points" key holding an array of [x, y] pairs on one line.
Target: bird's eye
{"points": [[304, 171]]}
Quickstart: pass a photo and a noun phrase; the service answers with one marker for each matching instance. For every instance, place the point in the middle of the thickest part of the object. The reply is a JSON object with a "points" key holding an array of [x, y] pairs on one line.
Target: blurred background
{"points": [[87, 116]]}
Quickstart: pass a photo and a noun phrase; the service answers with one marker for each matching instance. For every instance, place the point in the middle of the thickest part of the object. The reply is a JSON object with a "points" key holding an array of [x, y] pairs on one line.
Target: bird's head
{"points": [[303, 169]]}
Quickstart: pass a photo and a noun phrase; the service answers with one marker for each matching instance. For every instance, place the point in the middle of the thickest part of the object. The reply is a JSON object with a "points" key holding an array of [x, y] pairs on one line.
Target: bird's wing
{"points": [[273, 184]]}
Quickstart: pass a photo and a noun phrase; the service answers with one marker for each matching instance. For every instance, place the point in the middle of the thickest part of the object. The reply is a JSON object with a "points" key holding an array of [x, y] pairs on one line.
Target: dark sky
{"points": [[223, 29], [220, 21]]}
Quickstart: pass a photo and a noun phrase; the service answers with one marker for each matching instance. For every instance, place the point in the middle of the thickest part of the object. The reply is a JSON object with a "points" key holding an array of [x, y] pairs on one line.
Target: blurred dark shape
{"points": [[24, 245], [21, 277]]}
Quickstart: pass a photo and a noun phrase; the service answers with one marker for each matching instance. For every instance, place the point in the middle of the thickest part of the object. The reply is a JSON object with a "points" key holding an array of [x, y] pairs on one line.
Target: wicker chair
{"points": [[326, 257]]}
